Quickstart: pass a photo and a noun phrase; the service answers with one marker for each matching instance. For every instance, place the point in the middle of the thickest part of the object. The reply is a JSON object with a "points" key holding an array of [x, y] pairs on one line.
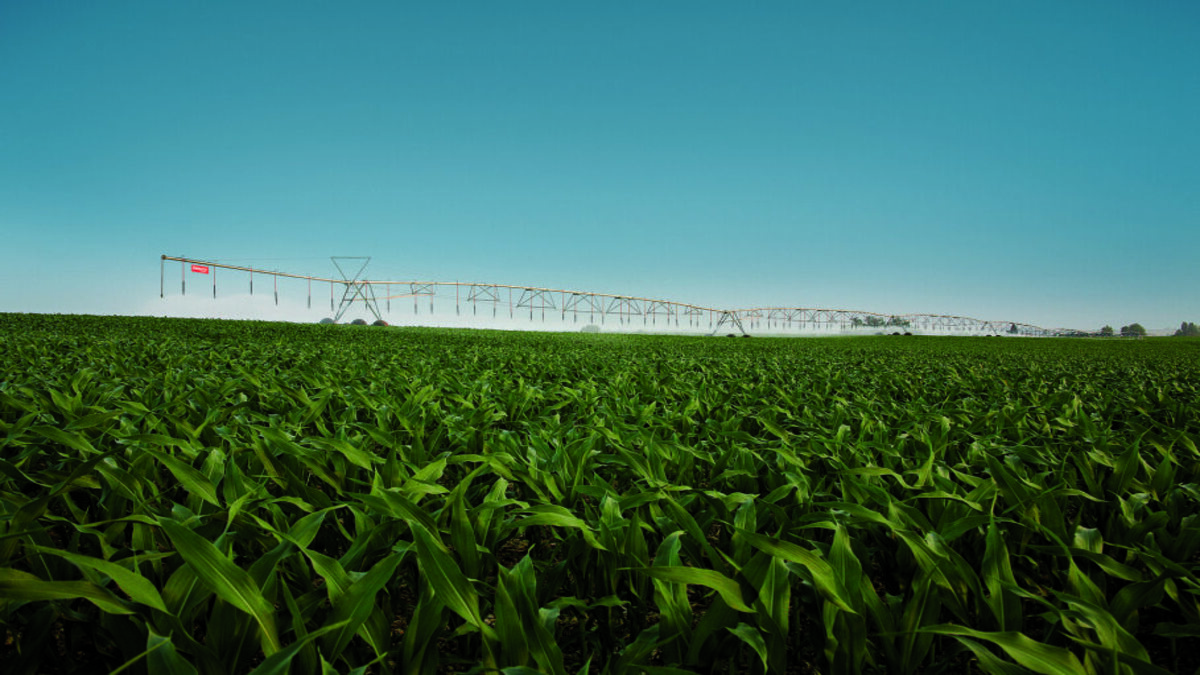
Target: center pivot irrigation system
{"points": [[353, 288]]}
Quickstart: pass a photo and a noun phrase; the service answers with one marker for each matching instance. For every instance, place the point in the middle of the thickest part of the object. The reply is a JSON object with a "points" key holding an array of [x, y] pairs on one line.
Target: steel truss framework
{"points": [[626, 311]]}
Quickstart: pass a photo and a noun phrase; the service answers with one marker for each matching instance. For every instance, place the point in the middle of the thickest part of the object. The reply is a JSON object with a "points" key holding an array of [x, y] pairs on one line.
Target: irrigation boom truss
{"points": [[597, 306]]}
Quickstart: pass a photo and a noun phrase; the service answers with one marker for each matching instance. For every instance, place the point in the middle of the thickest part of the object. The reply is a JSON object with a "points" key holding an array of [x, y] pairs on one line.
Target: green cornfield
{"points": [[212, 497]]}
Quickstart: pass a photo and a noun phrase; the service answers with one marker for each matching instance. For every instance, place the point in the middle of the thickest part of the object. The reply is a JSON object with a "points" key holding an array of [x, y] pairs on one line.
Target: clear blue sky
{"points": [[1029, 161]]}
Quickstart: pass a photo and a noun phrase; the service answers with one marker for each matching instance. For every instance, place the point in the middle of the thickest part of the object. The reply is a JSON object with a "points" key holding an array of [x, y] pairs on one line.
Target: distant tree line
{"points": [[1132, 330], [1188, 329], [875, 321]]}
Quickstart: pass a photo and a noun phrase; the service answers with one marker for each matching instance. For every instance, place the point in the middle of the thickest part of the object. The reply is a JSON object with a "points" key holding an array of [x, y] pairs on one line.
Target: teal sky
{"points": [[1027, 161]]}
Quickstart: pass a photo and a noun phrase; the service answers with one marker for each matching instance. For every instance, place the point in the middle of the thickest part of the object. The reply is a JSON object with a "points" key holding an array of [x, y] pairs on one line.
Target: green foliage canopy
{"points": [[214, 497]]}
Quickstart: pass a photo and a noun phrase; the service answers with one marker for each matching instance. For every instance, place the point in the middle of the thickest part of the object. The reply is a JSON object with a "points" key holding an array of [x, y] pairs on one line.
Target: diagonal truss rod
{"points": [[534, 302]]}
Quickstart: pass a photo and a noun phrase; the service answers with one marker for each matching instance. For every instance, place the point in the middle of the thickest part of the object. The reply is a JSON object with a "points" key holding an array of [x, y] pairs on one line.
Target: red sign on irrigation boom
{"points": [[200, 269]]}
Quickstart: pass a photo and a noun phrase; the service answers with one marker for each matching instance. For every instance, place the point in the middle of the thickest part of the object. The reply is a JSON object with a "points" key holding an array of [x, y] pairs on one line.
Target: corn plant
{"points": [[220, 497]]}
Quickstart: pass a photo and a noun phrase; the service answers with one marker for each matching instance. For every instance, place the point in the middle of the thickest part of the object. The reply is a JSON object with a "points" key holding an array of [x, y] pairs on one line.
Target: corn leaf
{"points": [[227, 580]]}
